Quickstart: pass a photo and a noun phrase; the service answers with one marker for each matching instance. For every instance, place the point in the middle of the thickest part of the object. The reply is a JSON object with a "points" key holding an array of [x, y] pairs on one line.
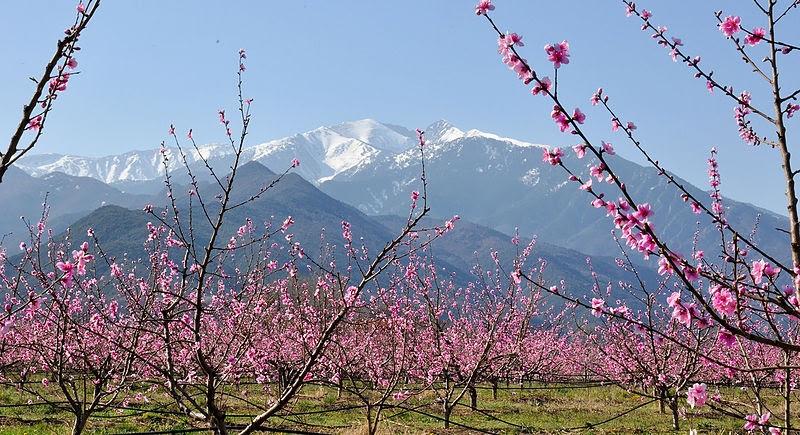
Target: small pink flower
{"points": [[552, 157], [730, 25], [597, 306], [580, 150], [646, 14], [596, 97], [483, 7], [295, 163], [513, 39], [697, 395], [578, 116], [81, 8], [756, 36], [674, 299], [541, 86], [726, 338], [35, 123], [790, 109], [558, 54]]}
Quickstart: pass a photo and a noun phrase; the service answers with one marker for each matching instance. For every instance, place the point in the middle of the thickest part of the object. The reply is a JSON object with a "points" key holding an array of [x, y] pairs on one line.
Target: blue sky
{"points": [[146, 64]]}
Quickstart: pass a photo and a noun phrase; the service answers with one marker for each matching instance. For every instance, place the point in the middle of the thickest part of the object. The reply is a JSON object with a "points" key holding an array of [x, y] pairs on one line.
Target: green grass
{"points": [[536, 409]]}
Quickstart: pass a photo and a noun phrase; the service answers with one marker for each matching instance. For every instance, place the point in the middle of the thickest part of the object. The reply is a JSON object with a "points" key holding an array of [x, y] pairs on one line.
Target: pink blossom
{"points": [[483, 7], [295, 163], [664, 266], [724, 302], [646, 14], [541, 86], [629, 9], [595, 100], [597, 306], [513, 39], [597, 171], [682, 315], [558, 54], [730, 25], [68, 269], [726, 337], [35, 123], [697, 395], [761, 268], [72, 63], [674, 299], [81, 8], [790, 109], [516, 276], [580, 150], [553, 157], [614, 124], [287, 223], [578, 116], [756, 36], [607, 147]]}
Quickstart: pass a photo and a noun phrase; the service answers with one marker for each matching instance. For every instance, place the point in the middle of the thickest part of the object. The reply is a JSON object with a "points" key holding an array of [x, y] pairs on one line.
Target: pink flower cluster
{"points": [[553, 156], [740, 113], [730, 26], [80, 257], [483, 7], [558, 53], [684, 313], [760, 269], [514, 62], [756, 36], [697, 395]]}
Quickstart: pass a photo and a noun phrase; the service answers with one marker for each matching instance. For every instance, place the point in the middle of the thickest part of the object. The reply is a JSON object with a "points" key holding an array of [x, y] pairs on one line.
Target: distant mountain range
{"points": [[498, 183]]}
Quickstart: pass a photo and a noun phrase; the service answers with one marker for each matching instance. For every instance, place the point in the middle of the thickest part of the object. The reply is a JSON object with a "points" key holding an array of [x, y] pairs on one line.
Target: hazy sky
{"points": [[146, 64]]}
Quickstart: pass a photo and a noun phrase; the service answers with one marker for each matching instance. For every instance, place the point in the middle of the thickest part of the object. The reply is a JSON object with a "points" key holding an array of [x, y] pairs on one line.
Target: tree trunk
{"points": [[371, 429], [80, 423], [473, 398], [447, 410], [673, 406], [494, 389]]}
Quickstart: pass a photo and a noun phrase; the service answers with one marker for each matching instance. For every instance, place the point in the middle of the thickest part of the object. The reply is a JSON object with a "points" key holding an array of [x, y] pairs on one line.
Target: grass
{"points": [[535, 409]]}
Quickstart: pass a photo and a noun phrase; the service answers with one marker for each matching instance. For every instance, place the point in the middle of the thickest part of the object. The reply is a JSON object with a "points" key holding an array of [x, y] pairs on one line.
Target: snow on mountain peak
{"points": [[515, 142], [374, 134], [442, 131], [324, 153]]}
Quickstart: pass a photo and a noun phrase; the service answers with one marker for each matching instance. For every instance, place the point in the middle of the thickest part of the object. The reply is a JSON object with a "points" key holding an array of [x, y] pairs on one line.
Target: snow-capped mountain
{"points": [[323, 152]]}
